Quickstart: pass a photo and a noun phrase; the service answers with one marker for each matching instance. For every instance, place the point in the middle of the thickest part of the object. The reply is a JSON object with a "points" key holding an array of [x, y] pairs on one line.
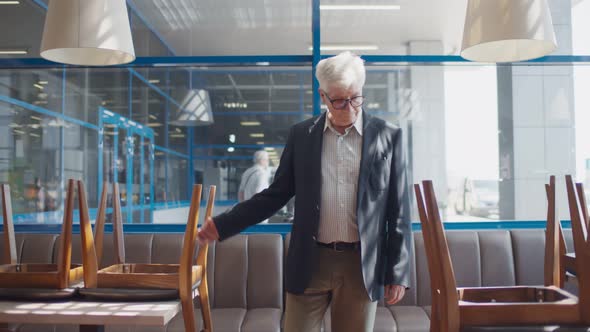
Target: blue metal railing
{"points": [[286, 228]]}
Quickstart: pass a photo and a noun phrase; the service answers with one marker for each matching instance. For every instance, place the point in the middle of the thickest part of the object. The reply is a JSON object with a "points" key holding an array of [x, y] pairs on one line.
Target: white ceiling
{"points": [[229, 27]]}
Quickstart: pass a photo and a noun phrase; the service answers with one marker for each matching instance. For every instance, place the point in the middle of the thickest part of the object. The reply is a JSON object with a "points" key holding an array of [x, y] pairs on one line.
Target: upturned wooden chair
{"points": [[142, 282], [479, 308], [38, 281], [555, 250], [581, 261]]}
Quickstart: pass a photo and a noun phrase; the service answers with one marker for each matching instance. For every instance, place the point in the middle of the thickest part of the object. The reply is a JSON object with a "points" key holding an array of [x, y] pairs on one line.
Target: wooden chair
{"points": [[555, 251], [581, 260], [117, 222], [141, 282], [454, 309], [38, 281]]}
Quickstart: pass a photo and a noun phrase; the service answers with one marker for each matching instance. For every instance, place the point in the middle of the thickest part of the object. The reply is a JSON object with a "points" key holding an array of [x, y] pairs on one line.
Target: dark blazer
{"points": [[383, 213]]}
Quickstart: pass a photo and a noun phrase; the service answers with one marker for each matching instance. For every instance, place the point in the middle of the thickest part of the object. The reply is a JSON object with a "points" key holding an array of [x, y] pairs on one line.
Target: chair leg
{"points": [[205, 308], [188, 314]]}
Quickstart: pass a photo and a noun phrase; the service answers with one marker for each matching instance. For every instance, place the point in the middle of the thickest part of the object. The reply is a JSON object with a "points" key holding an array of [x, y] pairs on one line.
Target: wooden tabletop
{"points": [[89, 313]]}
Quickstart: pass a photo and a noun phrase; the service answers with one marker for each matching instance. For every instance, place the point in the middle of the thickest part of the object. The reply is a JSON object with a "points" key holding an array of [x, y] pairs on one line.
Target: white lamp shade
{"points": [[87, 33], [507, 30], [195, 110]]}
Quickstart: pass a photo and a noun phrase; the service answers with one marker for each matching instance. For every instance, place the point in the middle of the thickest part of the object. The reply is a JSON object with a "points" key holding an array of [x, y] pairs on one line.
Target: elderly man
{"points": [[351, 234]]}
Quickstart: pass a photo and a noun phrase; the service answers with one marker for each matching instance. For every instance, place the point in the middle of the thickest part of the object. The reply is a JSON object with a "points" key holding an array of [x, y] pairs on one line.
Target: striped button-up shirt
{"points": [[341, 158]]}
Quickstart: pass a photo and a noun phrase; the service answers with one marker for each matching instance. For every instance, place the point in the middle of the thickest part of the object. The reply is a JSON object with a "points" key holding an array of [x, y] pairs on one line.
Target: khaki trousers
{"points": [[337, 282]]}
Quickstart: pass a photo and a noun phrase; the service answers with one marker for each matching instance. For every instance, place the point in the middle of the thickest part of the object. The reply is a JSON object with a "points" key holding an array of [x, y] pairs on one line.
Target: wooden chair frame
{"points": [[180, 278], [456, 308], [555, 251], [48, 276], [581, 260]]}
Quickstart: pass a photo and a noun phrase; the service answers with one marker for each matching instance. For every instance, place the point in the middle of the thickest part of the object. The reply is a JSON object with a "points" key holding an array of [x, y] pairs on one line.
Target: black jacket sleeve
{"points": [[264, 204]]}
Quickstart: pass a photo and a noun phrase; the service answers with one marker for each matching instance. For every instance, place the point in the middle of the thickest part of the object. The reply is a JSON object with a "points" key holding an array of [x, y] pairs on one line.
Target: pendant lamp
{"points": [[87, 33], [507, 30]]}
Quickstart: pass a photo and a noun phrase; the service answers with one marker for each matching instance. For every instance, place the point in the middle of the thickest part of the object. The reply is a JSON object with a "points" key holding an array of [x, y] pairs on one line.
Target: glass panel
{"points": [[88, 89], [30, 162]]}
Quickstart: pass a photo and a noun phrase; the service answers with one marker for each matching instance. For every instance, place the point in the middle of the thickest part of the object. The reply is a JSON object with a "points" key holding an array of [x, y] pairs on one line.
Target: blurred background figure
{"points": [[256, 178]]}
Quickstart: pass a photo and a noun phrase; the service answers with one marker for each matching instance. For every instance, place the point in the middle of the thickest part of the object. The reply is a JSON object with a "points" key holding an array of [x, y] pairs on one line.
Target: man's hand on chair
{"points": [[208, 232]]}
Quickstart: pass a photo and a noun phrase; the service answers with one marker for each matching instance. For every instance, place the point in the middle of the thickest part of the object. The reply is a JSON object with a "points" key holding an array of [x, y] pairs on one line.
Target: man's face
{"points": [[264, 162], [342, 111]]}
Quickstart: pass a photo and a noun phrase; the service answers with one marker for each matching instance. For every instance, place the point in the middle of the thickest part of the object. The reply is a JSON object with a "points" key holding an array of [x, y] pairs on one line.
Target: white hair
{"points": [[260, 155], [345, 70]]}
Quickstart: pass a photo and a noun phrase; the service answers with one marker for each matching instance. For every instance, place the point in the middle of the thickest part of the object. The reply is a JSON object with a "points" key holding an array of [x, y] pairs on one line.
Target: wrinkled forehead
{"points": [[335, 91]]}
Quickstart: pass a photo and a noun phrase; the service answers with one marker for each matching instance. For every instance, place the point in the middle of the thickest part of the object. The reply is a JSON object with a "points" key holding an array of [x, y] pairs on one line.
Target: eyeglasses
{"points": [[342, 103]]}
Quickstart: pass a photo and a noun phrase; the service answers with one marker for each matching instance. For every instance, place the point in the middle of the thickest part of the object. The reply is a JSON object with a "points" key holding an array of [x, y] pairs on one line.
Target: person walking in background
{"points": [[256, 178], [351, 236]]}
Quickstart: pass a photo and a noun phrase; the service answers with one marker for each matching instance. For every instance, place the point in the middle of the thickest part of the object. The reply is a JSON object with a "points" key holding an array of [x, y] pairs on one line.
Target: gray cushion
{"points": [[497, 267], [228, 319], [262, 320], [38, 248], [231, 273], [529, 251], [384, 321], [265, 271], [410, 318]]}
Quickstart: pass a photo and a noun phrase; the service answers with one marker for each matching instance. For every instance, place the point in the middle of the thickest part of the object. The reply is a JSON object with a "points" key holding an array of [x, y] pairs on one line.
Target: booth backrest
{"points": [[246, 271]]}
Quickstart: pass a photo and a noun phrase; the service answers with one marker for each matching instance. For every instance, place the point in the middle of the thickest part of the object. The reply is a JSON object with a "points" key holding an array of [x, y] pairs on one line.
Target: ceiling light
{"points": [[177, 135], [18, 131], [154, 81], [195, 109], [43, 82], [232, 138], [260, 143], [231, 149], [6, 2], [154, 124], [250, 123], [153, 117], [269, 149], [360, 7], [87, 33], [34, 135], [257, 135], [13, 52], [36, 118], [507, 31], [235, 105], [346, 48], [40, 87]]}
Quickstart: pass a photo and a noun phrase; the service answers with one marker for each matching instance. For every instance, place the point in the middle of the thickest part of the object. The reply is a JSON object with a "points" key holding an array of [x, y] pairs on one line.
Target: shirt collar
{"points": [[358, 124]]}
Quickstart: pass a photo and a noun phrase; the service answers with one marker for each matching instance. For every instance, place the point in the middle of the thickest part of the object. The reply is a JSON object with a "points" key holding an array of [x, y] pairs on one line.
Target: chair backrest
{"points": [[9, 256], [89, 257], [117, 221], [445, 300], [581, 245], [190, 238], [554, 266], [64, 257], [203, 250]]}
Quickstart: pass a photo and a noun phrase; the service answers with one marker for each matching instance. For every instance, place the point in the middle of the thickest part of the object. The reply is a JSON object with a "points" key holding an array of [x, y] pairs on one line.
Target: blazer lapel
{"points": [[367, 154], [315, 141]]}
